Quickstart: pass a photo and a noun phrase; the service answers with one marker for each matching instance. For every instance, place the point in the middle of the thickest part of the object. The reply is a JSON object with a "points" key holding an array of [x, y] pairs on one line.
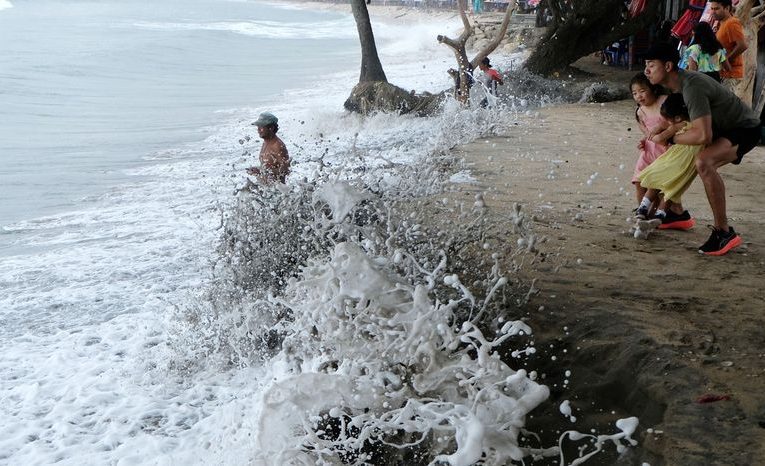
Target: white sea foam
{"points": [[335, 29]]}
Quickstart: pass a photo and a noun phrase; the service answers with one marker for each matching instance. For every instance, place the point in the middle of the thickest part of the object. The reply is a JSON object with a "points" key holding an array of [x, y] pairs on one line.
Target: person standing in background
{"points": [[274, 159], [705, 54], [730, 33]]}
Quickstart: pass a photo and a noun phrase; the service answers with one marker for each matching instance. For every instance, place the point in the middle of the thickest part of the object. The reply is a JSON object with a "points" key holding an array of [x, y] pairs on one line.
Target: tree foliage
{"points": [[580, 27]]}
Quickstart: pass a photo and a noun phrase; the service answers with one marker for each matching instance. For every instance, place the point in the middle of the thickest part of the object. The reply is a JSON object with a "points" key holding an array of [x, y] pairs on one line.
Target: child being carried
{"points": [[672, 173]]}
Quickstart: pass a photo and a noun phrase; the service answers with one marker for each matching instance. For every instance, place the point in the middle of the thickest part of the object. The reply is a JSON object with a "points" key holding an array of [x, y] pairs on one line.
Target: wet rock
{"points": [[604, 92], [370, 97]]}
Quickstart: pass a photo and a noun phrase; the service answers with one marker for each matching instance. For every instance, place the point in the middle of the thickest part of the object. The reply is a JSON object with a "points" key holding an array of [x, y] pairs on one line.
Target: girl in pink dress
{"points": [[649, 99]]}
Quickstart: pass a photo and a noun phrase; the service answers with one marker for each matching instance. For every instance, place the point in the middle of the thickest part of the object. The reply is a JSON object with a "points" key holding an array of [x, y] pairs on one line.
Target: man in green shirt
{"points": [[721, 122]]}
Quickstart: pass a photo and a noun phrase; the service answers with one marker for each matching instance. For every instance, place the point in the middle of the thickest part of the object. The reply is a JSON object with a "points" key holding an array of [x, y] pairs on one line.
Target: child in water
{"points": [[672, 173], [490, 78], [649, 99]]}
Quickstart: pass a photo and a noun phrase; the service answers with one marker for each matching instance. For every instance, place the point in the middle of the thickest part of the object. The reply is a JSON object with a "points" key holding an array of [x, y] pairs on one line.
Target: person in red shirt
{"points": [[730, 33], [490, 78]]}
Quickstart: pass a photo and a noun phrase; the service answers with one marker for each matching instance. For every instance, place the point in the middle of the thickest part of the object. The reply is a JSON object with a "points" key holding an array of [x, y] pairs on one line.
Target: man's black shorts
{"points": [[745, 138]]}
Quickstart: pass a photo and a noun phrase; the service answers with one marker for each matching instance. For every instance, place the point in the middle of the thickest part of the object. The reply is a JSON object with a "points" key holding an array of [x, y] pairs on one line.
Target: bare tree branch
{"points": [[511, 6], [467, 29]]}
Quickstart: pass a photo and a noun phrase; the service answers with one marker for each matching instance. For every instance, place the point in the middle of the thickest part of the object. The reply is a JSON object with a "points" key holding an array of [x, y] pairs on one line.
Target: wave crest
{"points": [[336, 29]]}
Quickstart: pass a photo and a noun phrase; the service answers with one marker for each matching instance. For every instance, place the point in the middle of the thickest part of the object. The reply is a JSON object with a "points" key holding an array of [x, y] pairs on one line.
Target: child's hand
{"points": [[641, 144]]}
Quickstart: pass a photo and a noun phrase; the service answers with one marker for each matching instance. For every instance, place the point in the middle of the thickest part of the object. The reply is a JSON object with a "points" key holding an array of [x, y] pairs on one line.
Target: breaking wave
{"points": [[333, 29], [386, 317]]}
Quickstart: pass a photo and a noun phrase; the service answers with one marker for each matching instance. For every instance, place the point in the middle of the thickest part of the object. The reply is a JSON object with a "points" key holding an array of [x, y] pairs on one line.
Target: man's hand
{"points": [[255, 171], [667, 134]]}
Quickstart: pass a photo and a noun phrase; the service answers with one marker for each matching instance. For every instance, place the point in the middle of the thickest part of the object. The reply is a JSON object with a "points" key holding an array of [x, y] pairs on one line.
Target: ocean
{"points": [[126, 132]]}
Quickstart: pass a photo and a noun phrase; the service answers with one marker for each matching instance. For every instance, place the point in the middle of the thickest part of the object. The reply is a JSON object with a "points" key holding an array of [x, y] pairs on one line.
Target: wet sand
{"points": [[645, 326]]}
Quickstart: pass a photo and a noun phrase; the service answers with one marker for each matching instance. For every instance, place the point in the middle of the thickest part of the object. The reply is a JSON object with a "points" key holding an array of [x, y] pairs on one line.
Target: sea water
{"points": [[125, 133], [119, 141]]}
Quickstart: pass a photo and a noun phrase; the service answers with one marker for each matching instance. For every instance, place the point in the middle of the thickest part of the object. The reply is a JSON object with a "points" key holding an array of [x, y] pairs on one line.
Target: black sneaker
{"points": [[720, 242], [673, 221], [641, 213]]}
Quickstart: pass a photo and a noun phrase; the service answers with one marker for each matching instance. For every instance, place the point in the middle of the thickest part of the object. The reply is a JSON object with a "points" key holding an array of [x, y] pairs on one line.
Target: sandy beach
{"points": [[646, 327]]}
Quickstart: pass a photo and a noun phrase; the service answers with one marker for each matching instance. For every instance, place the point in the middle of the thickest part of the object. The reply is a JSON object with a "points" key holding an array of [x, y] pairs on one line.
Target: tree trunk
{"points": [[745, 89], [758, 19], [371, 68], [582, 27]]}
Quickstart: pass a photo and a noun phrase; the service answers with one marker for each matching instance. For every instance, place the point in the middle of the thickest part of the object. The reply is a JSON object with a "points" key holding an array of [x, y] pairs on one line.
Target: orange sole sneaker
{"points": [[684, 225], [734, 243]]}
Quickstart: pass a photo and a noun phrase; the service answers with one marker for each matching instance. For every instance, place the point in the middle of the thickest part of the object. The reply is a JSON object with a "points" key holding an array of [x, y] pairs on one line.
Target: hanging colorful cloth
{"points": [[683, 28], [707, 16], [636, 7]]}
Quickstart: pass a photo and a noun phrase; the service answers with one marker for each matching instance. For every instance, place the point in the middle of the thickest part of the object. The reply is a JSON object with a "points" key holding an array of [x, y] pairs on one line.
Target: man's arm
{"points": [[662, 134], [282, 163], [700, 133], [736, 35], [738, 49]]}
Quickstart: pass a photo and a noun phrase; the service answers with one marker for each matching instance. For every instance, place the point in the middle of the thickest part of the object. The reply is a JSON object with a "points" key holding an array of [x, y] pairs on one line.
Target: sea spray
{"points": [[406, 370], [385, 317], [595, 443], [381, 313], [265, 237]]}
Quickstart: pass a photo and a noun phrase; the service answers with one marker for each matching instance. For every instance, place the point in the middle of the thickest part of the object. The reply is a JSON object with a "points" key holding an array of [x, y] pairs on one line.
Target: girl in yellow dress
{"points": [[672, 173]]}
